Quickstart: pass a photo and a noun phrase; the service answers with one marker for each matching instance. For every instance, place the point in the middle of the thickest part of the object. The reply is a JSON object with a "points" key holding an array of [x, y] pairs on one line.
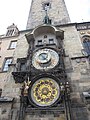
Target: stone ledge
{"points": [[6, 99]]}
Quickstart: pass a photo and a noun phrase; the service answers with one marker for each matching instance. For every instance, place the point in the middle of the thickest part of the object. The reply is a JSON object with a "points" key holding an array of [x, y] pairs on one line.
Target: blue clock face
{"points": [[43, 56], [45, 59]]}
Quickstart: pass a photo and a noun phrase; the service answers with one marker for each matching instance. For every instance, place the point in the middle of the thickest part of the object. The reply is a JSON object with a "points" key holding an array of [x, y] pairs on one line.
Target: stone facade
{"points": [[14, 104]]}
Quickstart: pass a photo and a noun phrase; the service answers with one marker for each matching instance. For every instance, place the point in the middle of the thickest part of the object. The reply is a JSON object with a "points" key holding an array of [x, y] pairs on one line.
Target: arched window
{"points": [[86, 44]]}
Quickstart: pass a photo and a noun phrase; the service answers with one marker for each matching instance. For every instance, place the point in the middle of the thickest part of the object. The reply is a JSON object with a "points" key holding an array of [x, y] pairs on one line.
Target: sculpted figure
{"points": [[26, 87]]}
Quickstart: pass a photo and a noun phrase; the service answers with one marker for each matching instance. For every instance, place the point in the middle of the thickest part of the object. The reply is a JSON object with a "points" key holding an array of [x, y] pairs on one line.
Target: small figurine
{"points": [[26, 87]]}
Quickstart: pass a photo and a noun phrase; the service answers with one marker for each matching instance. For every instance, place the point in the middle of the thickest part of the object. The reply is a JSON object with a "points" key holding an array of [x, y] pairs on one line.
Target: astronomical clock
{"points": [[44, 75], [45, 59], [45, 91], [47, 85]]}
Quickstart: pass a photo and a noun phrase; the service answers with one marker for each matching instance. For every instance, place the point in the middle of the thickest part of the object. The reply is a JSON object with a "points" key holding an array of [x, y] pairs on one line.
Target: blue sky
{"points": [[16, 11]]}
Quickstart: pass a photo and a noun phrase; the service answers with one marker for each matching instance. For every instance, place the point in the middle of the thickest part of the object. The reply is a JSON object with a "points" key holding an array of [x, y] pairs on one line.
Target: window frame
{"points": [[11, 46], [10, 32], [4, 68], [46, 4], [86, 44], [51, 42], [39, 42]]}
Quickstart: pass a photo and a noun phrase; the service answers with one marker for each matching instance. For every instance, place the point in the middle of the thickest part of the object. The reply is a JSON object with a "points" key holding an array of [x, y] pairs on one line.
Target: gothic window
{"points": [[13, 44], [7, 62], [86, 44]]}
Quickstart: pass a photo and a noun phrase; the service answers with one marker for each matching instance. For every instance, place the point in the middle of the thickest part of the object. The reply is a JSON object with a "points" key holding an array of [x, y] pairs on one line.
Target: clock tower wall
{"points": [[72, 41], [56, 11]]}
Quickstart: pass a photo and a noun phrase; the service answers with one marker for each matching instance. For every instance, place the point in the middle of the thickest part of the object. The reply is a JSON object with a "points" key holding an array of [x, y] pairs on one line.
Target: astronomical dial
{"points": [[45, 92], [45, 59]]}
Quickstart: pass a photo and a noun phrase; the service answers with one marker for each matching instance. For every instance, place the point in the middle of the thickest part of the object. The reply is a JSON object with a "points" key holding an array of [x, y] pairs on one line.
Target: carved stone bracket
{"points": [[19, 76]]}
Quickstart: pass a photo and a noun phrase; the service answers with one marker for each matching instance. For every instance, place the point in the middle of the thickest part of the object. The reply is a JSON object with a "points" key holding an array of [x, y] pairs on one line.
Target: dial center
{"points": [[43, 56], [44, 59], [45, 91]]}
